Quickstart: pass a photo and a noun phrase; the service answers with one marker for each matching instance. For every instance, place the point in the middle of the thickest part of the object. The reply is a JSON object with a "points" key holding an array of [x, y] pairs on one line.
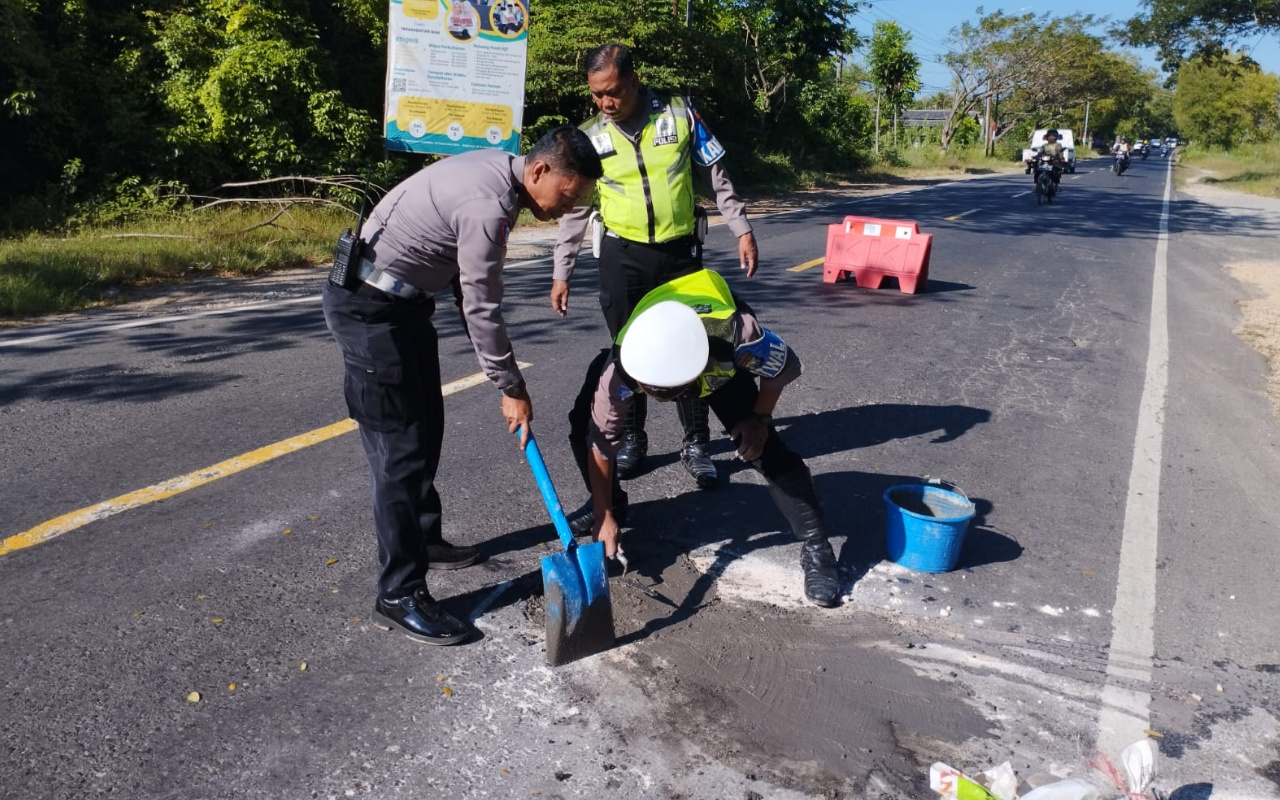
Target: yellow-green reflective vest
{"points": [[706, 293], [646, 194]]}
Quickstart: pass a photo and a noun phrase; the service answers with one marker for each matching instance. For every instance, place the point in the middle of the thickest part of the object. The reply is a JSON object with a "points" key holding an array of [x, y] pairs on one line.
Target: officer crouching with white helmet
{"points": [[691, 336]]}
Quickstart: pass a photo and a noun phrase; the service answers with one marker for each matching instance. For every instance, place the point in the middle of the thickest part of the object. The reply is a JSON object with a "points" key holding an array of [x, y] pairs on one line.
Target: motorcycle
{"points": [[1121, 163], [1164, 151], [1145, 152], [1046, 186]]}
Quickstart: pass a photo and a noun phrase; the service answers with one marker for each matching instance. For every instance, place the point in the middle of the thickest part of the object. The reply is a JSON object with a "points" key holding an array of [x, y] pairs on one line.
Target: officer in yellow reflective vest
{"points": [[650, 145]]}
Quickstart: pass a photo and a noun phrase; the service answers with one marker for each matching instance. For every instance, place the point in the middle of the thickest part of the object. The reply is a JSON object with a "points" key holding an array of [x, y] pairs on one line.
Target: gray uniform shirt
{"points": [[453, 219], [573, 226]]}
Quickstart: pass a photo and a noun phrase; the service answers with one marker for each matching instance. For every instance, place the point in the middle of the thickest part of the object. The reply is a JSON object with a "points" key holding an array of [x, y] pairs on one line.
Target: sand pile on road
{"points": [[1260, 328]]}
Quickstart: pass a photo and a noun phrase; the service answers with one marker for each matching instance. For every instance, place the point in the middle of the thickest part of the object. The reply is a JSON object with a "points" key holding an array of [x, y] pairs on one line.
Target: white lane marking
{"points": [[142, 323], [1126, 699], [1021, 194]]}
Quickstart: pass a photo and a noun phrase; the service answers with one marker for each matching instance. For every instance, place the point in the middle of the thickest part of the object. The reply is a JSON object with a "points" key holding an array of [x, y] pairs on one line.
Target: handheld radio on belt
{"points": [[345, 271]]}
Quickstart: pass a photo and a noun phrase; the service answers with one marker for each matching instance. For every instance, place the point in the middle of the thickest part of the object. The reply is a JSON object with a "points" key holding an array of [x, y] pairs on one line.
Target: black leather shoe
{"points": [[698, 463], [584, 519], [420, 618], [635, 446], [821, 578], [443, 555]]}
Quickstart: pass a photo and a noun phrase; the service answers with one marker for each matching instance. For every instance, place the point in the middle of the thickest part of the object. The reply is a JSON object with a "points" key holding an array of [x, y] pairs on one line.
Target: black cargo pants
{"points": [[392, 388]]}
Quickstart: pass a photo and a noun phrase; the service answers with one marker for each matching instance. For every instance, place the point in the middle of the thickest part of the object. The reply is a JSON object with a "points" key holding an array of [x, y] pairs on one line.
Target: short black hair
{"points": [[568, 151], [613, 55]]}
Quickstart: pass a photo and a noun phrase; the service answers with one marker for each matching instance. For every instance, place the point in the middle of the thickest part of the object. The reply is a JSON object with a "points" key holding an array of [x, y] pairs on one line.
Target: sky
{"points": [[930, 23]]}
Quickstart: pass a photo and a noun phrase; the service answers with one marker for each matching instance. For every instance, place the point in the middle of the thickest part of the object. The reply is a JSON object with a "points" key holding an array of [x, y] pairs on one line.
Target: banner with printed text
{"points": [[455, 75]]}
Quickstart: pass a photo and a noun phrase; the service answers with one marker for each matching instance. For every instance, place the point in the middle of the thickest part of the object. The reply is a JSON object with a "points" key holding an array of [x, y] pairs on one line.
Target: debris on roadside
{"points": [[1130, 780]]}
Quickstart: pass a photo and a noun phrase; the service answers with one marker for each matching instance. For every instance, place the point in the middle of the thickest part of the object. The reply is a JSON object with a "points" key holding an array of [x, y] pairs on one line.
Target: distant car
{"points": [[1068, 147], [1172, 141]]}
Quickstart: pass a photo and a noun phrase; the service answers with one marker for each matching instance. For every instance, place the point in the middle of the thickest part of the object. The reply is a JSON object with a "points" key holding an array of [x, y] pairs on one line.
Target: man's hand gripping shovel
{"points": [[576, 587]]}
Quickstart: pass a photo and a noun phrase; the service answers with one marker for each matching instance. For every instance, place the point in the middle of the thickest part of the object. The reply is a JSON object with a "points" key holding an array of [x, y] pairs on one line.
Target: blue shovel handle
{"points": [[548, 489]]}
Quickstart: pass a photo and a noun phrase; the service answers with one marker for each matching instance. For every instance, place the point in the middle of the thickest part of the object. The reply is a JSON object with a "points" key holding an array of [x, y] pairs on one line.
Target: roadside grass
{"points": [[928, 159], [1254, 169], [43, 273]]}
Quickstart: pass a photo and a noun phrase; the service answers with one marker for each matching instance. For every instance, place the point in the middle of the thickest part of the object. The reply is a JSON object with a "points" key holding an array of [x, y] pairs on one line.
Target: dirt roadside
{"points": [[1260, 326]]}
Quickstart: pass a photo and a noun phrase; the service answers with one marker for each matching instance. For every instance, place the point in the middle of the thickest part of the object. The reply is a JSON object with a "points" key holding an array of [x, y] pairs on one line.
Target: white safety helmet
{"points": [[665, 347]]}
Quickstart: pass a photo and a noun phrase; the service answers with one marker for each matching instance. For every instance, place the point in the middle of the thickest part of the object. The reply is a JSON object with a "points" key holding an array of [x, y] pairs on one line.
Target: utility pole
{"points": [[1084, 137], [877, 122], [986, 130]]}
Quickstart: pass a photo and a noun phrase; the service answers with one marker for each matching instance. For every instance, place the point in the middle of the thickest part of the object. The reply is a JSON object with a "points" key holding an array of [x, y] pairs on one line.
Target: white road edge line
{"points": [[1125, 715], [1021, 194], [146, 321]]}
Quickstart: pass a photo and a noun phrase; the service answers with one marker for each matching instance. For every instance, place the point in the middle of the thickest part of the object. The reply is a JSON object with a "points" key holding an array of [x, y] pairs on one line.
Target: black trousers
{"points": [[731, 403], [630, 270], [392, 387]]}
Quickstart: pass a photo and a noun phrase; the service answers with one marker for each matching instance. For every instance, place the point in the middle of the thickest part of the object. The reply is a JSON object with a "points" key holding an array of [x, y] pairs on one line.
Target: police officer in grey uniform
{"points": [[651, 146], [448, 222]]}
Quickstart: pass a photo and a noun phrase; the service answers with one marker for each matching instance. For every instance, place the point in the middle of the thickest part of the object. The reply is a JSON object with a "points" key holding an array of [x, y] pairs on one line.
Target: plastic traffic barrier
{"points": [[874, 248]]}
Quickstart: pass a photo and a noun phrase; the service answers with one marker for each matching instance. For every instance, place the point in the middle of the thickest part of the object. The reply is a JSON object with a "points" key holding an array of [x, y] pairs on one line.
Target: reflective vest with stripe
{"points": [[646, 194], [706, 293]]}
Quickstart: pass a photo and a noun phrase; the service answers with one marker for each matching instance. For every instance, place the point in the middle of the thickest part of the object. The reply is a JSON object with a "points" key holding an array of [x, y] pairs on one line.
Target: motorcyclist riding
{"points": [[1121, 151], [1052, 147]]}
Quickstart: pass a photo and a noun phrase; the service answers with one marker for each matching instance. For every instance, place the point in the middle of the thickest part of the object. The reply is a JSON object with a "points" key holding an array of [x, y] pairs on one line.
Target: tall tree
{"points": [[895, 70], [1036, 67], [1183, 28], [1226, 102], [783, 41]]}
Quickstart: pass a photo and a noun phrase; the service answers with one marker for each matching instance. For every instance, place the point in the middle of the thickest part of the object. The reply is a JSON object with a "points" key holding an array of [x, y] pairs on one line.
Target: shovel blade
{"points": [[578, 609]]}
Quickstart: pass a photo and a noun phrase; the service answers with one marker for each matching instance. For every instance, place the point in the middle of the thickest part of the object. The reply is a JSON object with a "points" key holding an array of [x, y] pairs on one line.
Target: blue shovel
{"points": [[575, 585]]}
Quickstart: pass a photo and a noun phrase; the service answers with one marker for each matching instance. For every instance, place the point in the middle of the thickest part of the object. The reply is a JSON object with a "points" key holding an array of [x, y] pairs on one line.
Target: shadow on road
{"points": [[740, 517]]}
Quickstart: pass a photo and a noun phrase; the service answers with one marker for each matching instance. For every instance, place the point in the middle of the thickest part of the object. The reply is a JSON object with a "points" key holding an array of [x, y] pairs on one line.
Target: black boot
{"points": [[635, 443], [797, 499], [697, 434]]}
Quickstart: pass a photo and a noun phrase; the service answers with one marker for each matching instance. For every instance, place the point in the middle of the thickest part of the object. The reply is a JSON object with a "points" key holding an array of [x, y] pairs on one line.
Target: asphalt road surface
{"points": [[186, 584]]}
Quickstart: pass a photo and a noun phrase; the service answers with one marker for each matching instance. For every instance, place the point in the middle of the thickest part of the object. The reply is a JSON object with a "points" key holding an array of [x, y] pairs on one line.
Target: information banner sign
{"points": [[455, 75]]}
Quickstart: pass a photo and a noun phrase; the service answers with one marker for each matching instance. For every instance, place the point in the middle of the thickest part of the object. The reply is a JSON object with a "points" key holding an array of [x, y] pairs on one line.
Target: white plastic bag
{"points": [[955, 785], [1001, 781], [1070, 789], [1139, 762]]}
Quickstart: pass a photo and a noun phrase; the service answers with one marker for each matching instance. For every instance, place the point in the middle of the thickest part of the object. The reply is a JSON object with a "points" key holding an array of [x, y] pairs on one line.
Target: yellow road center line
{"points": [[962, 216], [807, 265], [165, 489]]}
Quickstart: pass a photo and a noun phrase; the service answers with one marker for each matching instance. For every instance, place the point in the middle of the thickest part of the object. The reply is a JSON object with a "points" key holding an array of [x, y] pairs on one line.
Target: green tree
{"points": [[1036, 69], [1226, 102], [780, 42], [243, 82], [1183, 28], [894, 68]]}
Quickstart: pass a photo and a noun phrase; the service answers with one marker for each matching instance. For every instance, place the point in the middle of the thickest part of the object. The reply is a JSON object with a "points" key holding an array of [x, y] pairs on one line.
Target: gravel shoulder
{"points": [[1260, 302]]}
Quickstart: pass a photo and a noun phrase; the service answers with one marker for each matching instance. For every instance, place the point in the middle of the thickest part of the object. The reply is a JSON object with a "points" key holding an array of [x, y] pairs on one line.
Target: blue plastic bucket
{"points": [[927, 523]]}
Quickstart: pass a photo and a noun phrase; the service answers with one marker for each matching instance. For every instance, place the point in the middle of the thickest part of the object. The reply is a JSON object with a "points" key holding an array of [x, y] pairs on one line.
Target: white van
{"points": [[1068, 146]]}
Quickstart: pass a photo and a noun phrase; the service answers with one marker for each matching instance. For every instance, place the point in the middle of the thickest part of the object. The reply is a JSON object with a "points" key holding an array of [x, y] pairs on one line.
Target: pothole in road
{"points": [[796, 696]]}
